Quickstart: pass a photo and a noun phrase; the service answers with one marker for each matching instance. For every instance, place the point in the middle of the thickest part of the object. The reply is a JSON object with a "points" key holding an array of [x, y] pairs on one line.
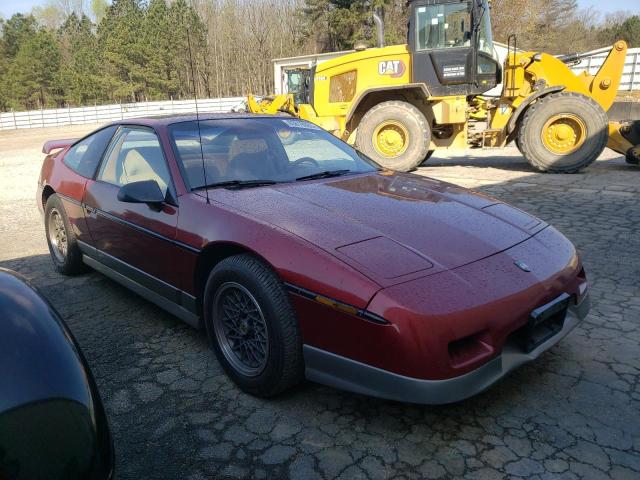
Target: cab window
{"points": [[85, 155], [135, 155], [487, 64], [443, 26]]}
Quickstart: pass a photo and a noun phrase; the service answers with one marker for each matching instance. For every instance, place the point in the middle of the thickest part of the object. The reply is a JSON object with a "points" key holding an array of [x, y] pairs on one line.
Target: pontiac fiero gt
{"points": [[300, 257]]}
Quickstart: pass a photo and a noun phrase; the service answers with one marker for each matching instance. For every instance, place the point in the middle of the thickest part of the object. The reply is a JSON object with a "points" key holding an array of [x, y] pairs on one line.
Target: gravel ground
{"points": [[575, 413]]}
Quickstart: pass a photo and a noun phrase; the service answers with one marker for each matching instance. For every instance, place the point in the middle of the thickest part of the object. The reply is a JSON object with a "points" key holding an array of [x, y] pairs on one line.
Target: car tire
{"points": [[549, 125], [252, 326], [394, 120], [62, 242]]}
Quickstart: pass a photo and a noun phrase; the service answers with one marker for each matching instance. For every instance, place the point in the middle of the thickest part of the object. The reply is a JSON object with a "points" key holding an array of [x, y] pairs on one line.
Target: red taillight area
{"points": [[469, 350]]}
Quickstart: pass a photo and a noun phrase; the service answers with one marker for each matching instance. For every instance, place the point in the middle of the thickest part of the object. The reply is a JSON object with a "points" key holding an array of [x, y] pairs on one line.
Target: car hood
{"points": [[390, 226]]}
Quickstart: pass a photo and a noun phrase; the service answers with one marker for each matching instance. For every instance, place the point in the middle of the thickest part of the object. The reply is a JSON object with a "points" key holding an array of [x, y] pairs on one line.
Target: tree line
{"points": [[84, 52]]}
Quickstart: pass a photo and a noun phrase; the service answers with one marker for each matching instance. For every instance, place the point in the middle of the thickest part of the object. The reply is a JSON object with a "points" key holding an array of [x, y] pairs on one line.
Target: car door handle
{"points": [[90, 211]]}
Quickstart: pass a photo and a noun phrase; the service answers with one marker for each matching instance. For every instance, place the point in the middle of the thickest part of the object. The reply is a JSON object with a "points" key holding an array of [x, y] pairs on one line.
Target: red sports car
{"points": [[302, 258]]}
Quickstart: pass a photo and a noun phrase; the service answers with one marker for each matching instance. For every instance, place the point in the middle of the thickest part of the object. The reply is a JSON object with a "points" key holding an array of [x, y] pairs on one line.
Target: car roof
{"points": [[164, 120]]}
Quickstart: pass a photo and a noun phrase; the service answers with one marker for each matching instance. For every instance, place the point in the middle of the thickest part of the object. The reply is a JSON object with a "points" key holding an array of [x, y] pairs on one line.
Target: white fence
{"points": [[107, 113], [631, 73]]}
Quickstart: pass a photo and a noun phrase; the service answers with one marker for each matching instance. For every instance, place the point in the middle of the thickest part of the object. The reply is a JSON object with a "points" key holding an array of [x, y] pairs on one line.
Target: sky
{"points": [[611, 5], [9, 7]]}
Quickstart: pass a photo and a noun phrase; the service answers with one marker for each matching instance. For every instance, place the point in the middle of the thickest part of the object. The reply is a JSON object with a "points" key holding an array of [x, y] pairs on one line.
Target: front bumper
{"points": [[347, 374]]}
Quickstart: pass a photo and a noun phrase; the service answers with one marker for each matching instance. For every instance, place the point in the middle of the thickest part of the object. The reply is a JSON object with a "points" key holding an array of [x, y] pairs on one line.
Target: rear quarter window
{"points": [[84, 156]]}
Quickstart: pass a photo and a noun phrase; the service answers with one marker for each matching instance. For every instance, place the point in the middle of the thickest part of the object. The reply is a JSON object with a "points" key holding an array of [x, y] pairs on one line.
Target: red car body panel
{"points": [[61, 179], [432, 314], [442, 226], [462, 325], [438, 263], [297, 261]]}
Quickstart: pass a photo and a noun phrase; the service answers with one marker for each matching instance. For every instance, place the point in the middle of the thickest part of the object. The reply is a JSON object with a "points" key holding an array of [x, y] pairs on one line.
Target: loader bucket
{"points": [[271, 105], [624, 138], [624, 130]]}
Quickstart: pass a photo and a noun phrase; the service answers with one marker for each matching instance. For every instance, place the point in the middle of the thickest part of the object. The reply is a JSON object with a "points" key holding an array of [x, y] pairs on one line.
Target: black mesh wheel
{"points": [[252, 326]]}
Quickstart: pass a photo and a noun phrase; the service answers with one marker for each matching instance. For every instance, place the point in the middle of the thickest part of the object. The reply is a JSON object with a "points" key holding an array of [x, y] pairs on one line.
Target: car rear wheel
{"points": [[63, 246], [252, 326]]}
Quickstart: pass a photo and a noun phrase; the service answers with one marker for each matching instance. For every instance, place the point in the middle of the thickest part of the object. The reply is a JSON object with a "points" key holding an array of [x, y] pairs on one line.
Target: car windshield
{"points": [[261, 149]]}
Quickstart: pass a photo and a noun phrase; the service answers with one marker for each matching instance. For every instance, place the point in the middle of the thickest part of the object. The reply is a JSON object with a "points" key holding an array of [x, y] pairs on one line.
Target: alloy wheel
{"points": [[240, 328], [57, 235]]}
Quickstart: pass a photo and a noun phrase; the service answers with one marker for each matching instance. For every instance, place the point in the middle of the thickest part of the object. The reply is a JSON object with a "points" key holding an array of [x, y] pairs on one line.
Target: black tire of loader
{"points": [[529, 135], [414, 121]]}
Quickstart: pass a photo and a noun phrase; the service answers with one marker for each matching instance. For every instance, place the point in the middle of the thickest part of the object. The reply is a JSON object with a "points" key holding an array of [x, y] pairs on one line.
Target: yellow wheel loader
{"points": [[398, 104]]}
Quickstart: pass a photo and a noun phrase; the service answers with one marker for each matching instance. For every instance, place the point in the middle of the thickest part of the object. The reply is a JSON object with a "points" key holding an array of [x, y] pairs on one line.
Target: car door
{"points": [[135, 239]]}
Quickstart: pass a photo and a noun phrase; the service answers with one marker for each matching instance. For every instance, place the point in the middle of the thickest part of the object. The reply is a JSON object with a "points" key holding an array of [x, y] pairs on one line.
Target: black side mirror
{"points": [[145, 191]]}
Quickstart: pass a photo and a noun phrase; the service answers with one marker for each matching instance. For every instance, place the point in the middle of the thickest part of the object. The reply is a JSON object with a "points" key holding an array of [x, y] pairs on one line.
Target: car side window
{"points": [[135, 155], [85, 155]]}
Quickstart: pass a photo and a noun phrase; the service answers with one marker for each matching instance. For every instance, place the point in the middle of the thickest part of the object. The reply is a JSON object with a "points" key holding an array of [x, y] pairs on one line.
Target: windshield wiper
{"points": [[325, 174], [238, 184]]}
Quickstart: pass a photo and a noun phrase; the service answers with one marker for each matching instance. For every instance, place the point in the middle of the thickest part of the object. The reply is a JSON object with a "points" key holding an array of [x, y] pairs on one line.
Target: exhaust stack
{"points": [[377, 19]]}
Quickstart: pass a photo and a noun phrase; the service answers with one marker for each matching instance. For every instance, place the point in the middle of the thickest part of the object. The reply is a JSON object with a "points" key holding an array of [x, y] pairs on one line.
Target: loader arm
{"points": [[603, 86]]}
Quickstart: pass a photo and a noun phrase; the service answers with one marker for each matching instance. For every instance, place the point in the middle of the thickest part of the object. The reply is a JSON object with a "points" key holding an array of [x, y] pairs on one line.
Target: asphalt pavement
{"points": [[574, 413]]}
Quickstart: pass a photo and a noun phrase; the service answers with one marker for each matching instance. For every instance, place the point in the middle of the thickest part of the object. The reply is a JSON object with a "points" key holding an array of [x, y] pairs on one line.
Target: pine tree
{"points": [[80, 68], [159, 52], [122, 53], [342, 23], [15, 31], [628, 30], [32, 79]]}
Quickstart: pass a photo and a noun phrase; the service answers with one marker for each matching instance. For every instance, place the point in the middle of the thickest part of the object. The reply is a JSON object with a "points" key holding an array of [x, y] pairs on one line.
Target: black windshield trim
{"points": [[235, 184], [325, 174]]}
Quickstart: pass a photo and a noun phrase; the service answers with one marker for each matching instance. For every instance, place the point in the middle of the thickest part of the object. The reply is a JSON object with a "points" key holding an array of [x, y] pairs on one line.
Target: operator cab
{"points": [[298, 84], [452, 47]]}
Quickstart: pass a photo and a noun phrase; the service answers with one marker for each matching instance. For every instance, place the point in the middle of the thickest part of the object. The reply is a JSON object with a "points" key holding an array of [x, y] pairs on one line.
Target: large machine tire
{"points": [[563, 133], [517, 142], [395, 134]]}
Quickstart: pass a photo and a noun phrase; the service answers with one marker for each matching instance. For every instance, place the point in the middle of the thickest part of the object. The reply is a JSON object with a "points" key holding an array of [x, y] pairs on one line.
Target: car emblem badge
{"points": [[522, 266]]}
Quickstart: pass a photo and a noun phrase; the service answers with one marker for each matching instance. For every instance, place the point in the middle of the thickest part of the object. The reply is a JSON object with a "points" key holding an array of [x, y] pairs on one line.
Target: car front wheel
{"points": [[252, 326]]}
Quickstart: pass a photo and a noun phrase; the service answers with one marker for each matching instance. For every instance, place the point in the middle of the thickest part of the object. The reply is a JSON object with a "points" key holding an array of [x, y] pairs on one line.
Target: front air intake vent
{"points": [[467, 350]]}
